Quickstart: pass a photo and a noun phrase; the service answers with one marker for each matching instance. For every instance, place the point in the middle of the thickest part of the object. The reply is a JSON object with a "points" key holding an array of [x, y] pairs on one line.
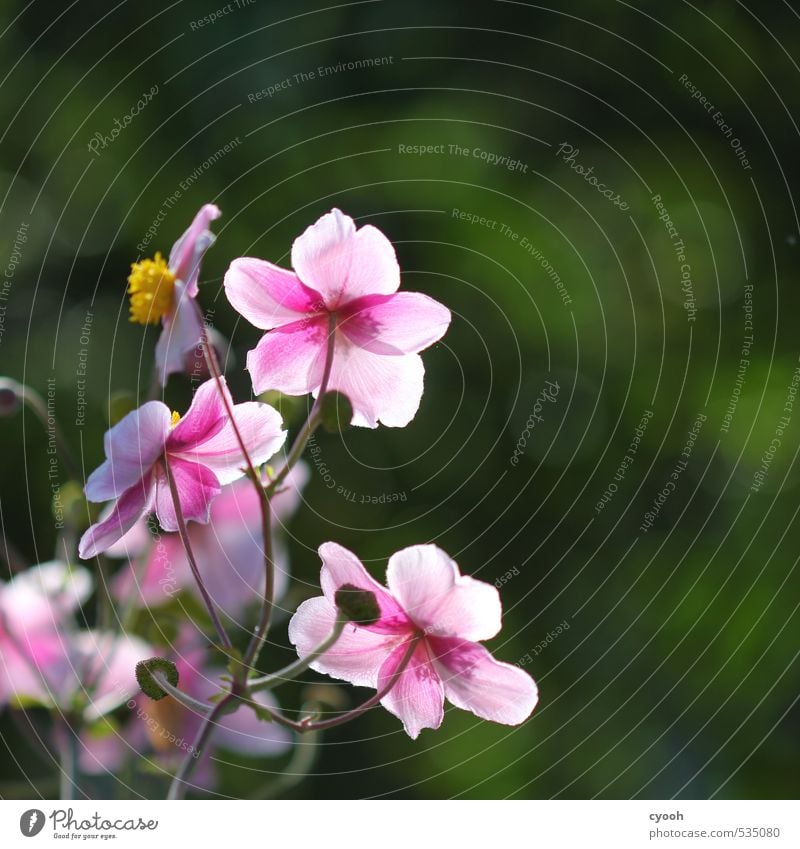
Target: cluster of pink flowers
{"points": [[336, 322]]}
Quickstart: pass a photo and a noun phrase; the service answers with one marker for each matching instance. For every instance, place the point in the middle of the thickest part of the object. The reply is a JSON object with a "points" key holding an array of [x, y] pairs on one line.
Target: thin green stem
{"points": [[178, 787], [269, 682], [179, 696], [68, 752], [305, 725], [184, 533]]}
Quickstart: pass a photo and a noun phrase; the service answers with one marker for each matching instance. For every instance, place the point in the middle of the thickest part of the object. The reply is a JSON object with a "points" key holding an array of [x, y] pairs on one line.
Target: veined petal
{"points": [[131, 448], [205, 417], [417, 698], [196, 485], [340, 567], [182, 332], [403, 323], [342, 263], [266, 295], [134, 503], [380, 388], [355, 657], [474, 681], [439, 599], [187, 252], [290, 358]]}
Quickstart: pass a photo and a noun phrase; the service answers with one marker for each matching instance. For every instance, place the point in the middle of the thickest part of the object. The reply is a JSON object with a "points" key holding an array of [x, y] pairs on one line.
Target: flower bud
{"points": [[144, 675], [359, 606]]}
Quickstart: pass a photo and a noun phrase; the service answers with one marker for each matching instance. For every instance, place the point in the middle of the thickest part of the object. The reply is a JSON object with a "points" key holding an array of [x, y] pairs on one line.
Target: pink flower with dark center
{"points": [[345, 282], [165, 290], [447, 613], [46, 660], [201, 449]]}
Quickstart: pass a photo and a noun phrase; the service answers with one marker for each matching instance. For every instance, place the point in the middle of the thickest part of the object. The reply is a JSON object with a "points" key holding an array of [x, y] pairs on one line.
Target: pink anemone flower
{"points": [[229, 551], [428, 600], [345, 282], [46, 660], [165, 290], [202, 452]]}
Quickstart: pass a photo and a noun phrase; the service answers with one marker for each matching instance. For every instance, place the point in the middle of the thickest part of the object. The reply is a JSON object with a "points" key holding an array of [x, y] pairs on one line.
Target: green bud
{"points": [[359, 606], [336, 411], [149, 685]]}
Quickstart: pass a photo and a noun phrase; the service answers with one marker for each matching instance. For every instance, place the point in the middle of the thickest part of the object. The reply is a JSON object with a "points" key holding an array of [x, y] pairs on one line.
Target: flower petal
{"points": [[182, 332], [340, 567], [187, 252], [266, 295], [131, 448], [197, 487], [355, 657], [342, 263], [474, 681], [417, 698], [403, 323], [380, 388], [44, 595], [129, 508], [439, 599], [291, 358]]}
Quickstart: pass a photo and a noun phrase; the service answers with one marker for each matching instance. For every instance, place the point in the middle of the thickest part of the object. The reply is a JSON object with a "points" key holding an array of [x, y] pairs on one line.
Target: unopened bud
{"points": [[359, 606], [148, 683]]}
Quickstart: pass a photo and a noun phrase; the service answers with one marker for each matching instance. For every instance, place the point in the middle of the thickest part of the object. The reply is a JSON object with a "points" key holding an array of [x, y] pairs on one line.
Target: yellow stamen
{"points": [[176, 417], [151, 286]]}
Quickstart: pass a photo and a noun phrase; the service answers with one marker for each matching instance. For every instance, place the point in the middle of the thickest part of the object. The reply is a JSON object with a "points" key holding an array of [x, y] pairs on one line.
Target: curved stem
{"points": [[269, 682], [184, 698], [178, 787], [322, 725], [190, 556]]}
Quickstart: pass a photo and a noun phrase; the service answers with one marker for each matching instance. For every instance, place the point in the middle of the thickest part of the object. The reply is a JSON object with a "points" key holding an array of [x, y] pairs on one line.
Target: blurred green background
{"points": [[678, 674]]}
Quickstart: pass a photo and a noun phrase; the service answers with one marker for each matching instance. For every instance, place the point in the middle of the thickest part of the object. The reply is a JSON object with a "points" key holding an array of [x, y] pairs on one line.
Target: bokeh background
{"points": [[677, 675]]}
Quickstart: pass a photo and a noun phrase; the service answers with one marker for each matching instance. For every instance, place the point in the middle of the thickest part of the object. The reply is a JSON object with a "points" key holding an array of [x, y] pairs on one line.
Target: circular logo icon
{"points": [[31, 822]]}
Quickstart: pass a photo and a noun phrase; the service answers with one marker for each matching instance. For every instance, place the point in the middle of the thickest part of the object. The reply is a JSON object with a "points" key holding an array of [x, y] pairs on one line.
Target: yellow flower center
{"points": [[151, 286], [176, 417]]}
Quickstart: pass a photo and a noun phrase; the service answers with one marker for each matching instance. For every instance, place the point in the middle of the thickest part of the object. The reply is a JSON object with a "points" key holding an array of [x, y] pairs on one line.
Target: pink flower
{"points": [[346, 280], [203, 455], [228, 550], [165, 291], [44, 659], [428, 599]]}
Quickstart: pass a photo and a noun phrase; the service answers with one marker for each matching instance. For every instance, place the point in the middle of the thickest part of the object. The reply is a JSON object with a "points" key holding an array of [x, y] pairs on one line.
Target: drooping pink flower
{"points": [[345, 281], [165, 290], [45, 659], [428, 600], [203, 455], [228, 550]]}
